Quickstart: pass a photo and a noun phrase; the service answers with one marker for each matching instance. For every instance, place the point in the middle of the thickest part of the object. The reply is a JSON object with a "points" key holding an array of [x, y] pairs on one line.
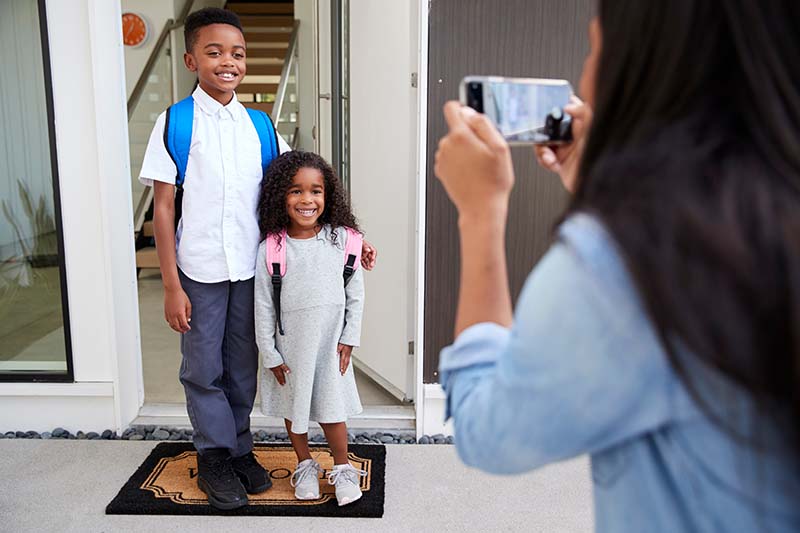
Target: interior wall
{"points": [[155, 13], [542, 39]]}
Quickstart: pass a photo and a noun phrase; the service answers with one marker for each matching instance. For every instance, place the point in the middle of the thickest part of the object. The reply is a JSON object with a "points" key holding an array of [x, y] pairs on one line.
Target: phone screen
{"points": [[525, 110]]}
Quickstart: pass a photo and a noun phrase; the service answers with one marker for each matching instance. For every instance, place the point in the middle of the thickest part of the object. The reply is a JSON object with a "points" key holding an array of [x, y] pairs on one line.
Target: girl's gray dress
{"points": [[318, 313]]}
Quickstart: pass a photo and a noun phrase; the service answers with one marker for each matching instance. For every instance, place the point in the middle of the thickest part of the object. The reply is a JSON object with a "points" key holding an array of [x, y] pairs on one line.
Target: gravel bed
{"points": [[159, 433]]}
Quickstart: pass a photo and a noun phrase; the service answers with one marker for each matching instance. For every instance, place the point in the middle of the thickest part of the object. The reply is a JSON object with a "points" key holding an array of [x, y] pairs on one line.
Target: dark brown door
{"points": [[529, 38]]}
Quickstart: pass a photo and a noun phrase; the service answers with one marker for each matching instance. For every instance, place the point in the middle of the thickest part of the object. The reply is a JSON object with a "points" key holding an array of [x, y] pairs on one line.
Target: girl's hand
{"points": [[280, 373], [368, 255], [344, 357], [473, 163], [564, 159], [177, 310]]}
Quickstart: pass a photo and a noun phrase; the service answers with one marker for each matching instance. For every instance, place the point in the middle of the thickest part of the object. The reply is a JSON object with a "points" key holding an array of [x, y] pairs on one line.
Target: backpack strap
{"points": [[178, 135], [266, 134], [352, 254], [177, 140], [276, 267]]}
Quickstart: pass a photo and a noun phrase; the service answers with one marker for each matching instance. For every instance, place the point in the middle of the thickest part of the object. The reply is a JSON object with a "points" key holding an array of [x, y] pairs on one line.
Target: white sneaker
{"points": [[305, 480], [348, 486]]}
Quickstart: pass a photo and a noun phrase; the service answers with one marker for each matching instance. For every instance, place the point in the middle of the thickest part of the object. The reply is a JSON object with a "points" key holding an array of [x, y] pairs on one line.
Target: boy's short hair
{"points": [[206, 17]]}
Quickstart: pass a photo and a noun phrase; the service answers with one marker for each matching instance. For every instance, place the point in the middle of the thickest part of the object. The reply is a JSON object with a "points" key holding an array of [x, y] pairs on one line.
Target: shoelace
{"points": [[304, 471], [249, 460], [348, 473], [221, 469]]}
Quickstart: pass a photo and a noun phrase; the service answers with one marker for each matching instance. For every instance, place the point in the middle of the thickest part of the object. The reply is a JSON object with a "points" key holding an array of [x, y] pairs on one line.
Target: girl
{"points": [[307, 339]]}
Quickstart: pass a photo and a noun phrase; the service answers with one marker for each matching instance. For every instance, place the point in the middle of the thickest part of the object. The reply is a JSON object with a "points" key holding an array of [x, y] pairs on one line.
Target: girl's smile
{"points": [[305, 202]]}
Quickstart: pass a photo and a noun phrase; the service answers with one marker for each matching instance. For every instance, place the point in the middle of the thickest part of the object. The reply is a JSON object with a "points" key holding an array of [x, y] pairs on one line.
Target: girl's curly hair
{"points": [[272, 215]]}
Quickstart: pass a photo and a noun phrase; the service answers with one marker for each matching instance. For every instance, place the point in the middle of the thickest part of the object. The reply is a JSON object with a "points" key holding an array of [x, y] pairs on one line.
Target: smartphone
{"points": [[525, 110]]}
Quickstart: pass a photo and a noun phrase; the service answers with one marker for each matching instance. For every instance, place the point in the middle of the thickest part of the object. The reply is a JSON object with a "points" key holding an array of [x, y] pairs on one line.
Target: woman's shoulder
{"points": [[587, 254], [592, 245]]}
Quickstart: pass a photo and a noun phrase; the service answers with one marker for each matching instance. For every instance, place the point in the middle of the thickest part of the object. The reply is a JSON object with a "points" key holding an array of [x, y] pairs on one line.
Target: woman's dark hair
{"points": [[272, 215], [206, 17], [693, 164]]}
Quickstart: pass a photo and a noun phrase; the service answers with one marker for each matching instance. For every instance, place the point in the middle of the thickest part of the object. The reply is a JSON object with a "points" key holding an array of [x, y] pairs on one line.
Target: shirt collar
{"points": [[212, 107]]}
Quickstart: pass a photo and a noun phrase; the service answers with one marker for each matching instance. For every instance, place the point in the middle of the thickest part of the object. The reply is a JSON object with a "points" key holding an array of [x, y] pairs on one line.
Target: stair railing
{"points": [[285, 110], [143, 196]]}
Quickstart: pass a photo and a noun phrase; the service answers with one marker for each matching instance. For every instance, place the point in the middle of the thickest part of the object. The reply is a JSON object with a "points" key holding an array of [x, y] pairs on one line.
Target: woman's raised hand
{"points": [[564, 159], [473, 163]]}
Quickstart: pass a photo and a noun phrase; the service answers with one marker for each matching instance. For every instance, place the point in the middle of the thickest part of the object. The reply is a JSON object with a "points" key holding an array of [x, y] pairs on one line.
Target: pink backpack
{"points": [[276, 263]]}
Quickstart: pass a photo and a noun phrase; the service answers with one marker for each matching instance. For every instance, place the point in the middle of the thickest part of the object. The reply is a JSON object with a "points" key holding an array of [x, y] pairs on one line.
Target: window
{"points": [[34, 324]]}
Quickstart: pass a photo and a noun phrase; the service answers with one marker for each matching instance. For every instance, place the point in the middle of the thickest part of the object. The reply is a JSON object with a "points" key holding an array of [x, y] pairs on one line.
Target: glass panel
{"points": [[32, 335], [155, 98], [289, 120]]}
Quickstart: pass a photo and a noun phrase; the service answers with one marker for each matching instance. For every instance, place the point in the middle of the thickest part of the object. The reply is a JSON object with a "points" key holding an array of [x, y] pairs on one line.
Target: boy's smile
{"points": [[218, 57], [305, 202]]}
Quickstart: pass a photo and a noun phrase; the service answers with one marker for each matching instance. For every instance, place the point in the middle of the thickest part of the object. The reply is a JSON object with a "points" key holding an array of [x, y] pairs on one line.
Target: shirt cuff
{"points": [[479, 344], [271, 359], [149, 181]]}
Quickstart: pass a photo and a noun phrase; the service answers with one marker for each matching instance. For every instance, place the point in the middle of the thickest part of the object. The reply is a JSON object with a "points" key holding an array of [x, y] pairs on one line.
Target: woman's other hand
{"points": [[564, 159], [473, 163]]}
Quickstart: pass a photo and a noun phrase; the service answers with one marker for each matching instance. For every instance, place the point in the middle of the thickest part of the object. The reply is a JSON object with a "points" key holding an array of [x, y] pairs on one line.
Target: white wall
{"points": [[155, 13], [383, 151]]}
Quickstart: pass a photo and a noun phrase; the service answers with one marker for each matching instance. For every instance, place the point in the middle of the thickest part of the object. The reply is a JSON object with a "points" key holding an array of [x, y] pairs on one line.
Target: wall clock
{"points": [[134, 29]]}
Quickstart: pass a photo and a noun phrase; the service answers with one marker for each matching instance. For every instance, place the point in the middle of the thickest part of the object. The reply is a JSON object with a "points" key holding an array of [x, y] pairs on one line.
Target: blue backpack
{"points": [[178, 139]]}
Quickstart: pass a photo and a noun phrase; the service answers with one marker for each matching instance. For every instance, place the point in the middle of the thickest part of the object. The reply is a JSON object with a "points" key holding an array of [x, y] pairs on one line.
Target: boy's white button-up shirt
{"points": [[218, 236]]}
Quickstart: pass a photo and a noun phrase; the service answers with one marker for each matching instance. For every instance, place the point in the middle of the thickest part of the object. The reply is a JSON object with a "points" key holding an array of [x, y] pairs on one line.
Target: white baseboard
{"points": [[433, 414], [391, 418]]}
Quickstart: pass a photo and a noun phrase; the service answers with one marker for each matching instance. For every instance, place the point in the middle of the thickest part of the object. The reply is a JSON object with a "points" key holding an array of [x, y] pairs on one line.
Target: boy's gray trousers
{"points": [[220, 364]]}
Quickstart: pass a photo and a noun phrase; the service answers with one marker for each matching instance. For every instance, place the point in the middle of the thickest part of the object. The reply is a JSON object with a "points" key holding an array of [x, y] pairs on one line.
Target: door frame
{"points": [[323, 125]]}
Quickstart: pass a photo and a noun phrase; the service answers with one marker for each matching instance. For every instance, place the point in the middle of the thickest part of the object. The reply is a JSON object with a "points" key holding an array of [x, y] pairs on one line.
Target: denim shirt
{"points": [[582, 371]]}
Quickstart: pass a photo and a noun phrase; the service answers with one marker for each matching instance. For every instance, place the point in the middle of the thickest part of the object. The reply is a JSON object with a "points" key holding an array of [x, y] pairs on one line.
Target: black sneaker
{"points": [[215, 477], [253, 476]]}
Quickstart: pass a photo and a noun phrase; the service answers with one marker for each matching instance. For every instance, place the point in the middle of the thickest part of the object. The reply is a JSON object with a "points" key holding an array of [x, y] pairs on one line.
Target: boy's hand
{"points": [[177, 310], [280, 373], [344, 356], [368, 255]]}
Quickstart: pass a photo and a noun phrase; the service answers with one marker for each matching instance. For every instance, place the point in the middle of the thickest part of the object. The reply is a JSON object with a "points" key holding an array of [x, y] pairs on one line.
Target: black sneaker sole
{"points": [[254, 490], [214, 502]]}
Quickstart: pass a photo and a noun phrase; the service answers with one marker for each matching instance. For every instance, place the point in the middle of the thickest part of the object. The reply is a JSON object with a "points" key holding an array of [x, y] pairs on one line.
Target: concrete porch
{"points": [[65, 486]]}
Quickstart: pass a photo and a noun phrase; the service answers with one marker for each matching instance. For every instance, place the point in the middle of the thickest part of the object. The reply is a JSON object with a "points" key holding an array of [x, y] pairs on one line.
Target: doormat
{"points": [[166, 484]]}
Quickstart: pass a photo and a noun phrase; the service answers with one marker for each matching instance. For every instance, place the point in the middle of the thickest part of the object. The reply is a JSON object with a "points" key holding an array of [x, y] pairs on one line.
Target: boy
{"points": [[208, 266]]}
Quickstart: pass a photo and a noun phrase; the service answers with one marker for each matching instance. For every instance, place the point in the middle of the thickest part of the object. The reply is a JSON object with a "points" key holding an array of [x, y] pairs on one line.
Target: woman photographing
{"points": [[661, 332]]}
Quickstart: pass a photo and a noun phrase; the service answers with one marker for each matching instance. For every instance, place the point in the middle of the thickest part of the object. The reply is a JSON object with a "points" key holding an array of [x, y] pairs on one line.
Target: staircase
{"points": [[268, 28]]}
